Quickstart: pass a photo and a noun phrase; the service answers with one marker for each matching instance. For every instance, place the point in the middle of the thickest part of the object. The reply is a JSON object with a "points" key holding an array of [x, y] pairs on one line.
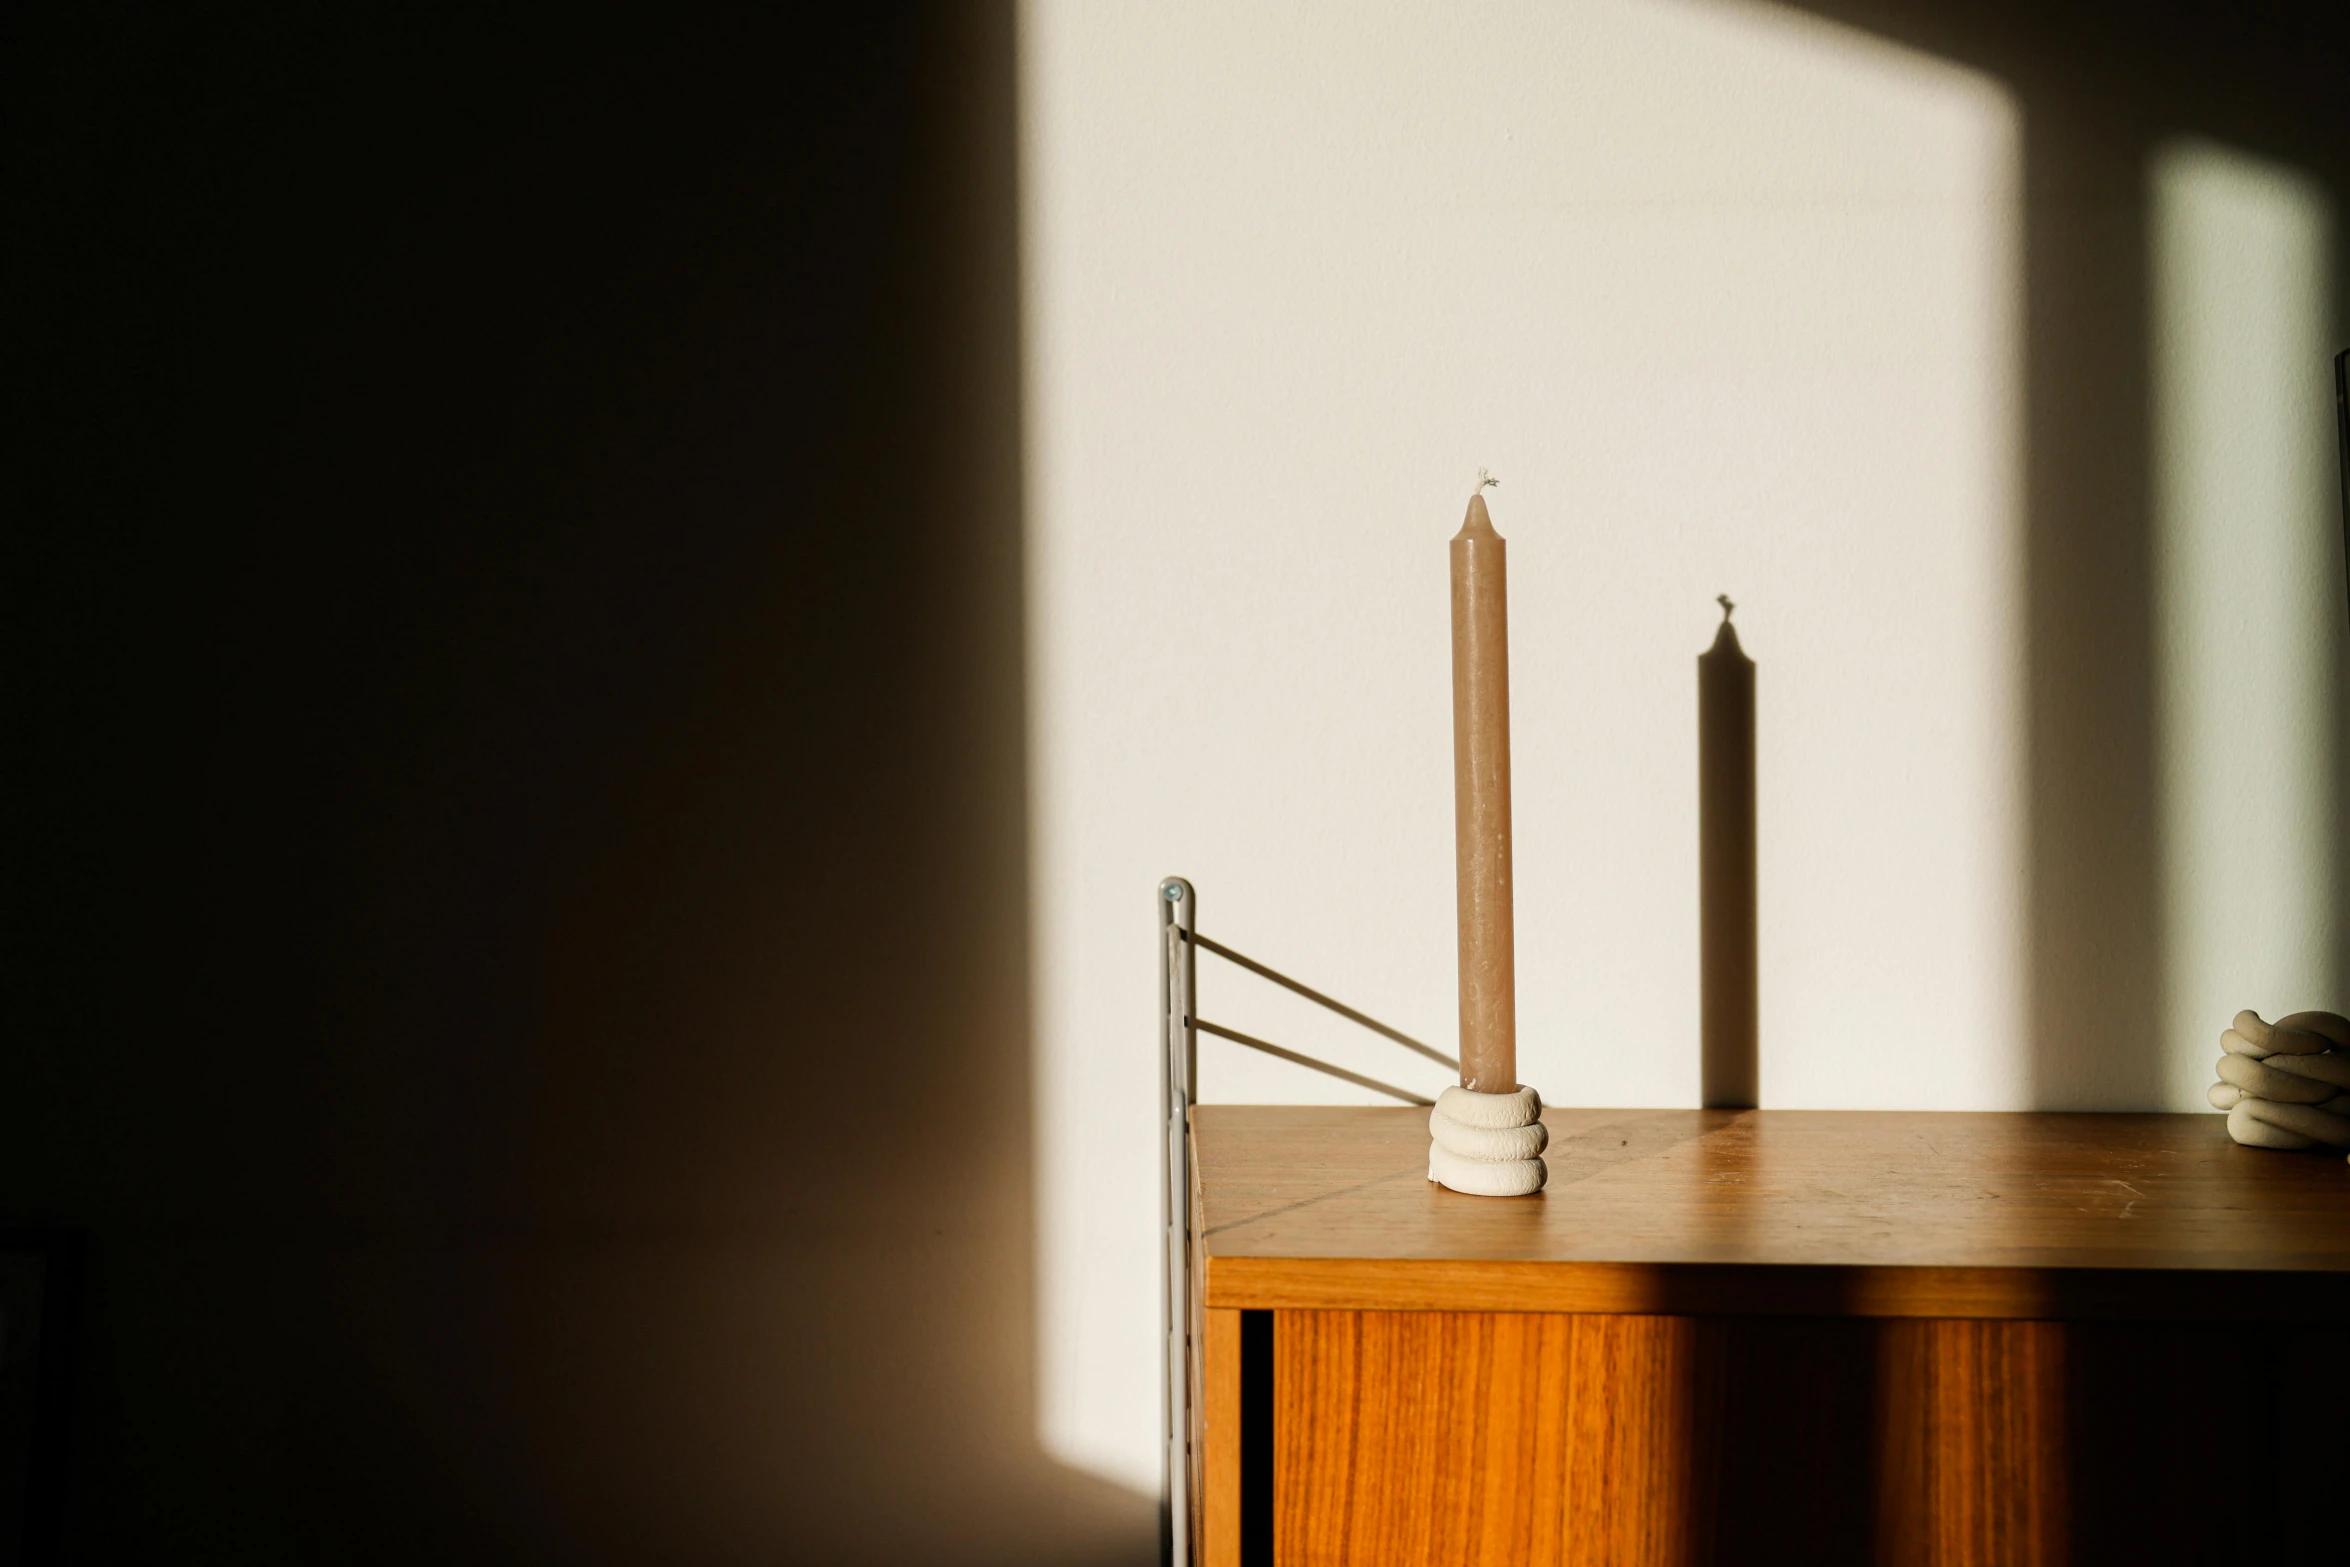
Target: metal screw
{"points": [[1173, 890]]}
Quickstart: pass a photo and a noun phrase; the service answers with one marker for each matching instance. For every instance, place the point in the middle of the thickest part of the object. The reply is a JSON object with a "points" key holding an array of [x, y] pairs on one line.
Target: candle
{"points": [[1728, 1005], [1481, 802]]}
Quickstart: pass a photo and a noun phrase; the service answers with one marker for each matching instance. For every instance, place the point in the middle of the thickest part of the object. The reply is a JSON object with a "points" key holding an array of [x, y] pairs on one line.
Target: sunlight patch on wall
{"points": [[1728, 297], [2248, 614]]}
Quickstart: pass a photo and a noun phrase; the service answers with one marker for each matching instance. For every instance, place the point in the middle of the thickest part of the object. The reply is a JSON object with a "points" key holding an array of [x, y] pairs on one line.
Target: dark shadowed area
{"points": [[515, 948]]}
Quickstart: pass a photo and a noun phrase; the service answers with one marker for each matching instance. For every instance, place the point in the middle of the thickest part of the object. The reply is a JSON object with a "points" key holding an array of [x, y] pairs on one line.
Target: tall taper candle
{"points": [[1481, 803], [1728, 996]]}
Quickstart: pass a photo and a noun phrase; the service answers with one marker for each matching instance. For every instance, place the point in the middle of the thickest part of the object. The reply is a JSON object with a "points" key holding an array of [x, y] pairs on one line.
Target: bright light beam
{"points": [[2248, 621]]}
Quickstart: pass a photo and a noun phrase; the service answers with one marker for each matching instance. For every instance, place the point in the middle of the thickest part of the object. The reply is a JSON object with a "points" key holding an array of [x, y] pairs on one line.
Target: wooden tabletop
{"points": [[1861, 1213]]}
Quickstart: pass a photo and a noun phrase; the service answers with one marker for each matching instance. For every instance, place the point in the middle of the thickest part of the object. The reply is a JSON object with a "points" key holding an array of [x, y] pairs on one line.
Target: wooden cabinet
{"points": [[1771, 1336]]}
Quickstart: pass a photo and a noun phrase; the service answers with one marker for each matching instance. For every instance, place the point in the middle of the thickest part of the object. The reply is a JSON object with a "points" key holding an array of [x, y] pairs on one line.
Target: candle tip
{"points": [[1478, 524], [1723, 599]]}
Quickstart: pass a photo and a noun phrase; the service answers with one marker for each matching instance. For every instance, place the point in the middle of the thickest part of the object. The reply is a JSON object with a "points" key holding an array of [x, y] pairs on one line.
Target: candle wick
{"points": [[1723, 599], [1485, 480]]}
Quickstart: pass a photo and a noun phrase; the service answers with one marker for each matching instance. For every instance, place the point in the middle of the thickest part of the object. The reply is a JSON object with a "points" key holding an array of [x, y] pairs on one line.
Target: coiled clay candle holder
{"points": [[2286, 1084], [1488, 1145]]}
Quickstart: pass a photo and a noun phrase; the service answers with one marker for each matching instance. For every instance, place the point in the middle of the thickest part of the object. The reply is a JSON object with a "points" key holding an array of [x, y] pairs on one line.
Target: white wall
{"points": [[1728, 299], [2249, 603]]}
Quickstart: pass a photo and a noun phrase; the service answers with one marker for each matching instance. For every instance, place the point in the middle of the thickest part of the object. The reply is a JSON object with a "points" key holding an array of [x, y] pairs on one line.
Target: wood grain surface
{"points": [[1491, 1437], [1217, 1522], [1806, 1212], [1970, 1438]]}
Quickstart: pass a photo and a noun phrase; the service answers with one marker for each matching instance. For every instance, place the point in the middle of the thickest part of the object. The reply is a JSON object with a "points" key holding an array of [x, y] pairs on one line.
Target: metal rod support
{"points": [[1356, 1078], [1178, 1065], [1180, 1304], [1339, 1007]]}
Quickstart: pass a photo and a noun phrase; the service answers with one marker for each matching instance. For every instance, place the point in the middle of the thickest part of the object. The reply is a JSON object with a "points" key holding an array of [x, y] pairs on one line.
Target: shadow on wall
{"points": [[2145, 852], [514, 946]]}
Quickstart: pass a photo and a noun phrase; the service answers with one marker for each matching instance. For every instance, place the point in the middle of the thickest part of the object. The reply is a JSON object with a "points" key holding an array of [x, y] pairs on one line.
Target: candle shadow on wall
{"points": [[516, 911], [2100, 100]]}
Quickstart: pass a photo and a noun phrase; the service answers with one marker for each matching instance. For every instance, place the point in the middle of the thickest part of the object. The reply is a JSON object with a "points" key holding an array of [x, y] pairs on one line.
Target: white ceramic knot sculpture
{"points": [[2286, 1084], [1488, 1145]]}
